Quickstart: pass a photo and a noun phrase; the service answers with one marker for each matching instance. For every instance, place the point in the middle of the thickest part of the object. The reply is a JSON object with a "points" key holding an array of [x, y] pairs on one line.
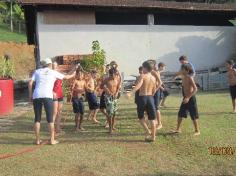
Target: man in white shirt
{"points": [[44, 79]]}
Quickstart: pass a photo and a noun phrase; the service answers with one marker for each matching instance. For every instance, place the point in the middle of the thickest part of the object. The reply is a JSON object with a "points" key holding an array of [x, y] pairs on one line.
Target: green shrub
{"points": [[6, 68]]}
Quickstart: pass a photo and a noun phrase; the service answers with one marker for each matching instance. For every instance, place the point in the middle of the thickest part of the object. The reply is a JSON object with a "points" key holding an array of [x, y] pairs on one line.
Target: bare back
{"points": [[148, 86], [232, 77]]}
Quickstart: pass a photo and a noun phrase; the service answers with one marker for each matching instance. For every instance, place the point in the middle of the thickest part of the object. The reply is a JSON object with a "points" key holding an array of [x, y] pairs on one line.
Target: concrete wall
{"points": [[130, 45]]}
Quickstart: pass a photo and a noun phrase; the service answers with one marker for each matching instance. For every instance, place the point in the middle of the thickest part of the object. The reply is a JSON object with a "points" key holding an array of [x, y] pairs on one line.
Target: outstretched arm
{"points": [[30, 88]]}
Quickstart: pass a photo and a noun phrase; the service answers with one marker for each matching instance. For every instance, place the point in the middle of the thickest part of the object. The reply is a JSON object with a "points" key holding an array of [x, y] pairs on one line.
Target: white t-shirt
{"points": [[45, 79]]}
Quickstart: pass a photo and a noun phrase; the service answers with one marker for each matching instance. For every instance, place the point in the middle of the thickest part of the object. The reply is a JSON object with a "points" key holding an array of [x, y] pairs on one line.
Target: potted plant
{"points": [[6, 85]]}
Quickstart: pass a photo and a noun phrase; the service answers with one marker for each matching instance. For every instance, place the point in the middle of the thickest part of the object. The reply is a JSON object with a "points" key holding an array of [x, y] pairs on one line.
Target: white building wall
{"points": [[130, 45]]}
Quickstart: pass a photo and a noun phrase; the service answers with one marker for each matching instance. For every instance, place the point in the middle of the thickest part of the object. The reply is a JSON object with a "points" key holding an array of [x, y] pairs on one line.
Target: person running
{"points": [[189, 103], [231, 74], [111, 88], [78, 90], [102, 98], [91, 96], [147, 88], [156, 73], [57, 101], [44, 79]]}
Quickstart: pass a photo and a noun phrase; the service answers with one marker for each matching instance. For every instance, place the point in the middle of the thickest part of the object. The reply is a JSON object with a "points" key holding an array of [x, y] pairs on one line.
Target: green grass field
{"points": [[96, 153], [6, 35]]}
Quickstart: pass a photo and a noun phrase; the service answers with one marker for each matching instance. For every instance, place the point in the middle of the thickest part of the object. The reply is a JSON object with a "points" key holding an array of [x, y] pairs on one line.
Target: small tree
{"points": [[96, 60]]}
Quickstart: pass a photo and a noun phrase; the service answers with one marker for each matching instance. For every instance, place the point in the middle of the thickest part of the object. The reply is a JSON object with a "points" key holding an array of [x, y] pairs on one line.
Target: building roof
{"points": [[151, 4]]}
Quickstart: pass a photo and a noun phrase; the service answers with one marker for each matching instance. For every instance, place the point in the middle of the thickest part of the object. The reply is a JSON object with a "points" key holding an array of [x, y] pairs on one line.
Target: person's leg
{"points": [[77, 116], [145, 126], [234, 104], [163, 102], [58, 117], [159, 124], [179, 121], [55, 110], [94, 117], [107, 117], [153, 130], [80, 123], [196, 127], [48, 106], [37, 103], [113, 123]]}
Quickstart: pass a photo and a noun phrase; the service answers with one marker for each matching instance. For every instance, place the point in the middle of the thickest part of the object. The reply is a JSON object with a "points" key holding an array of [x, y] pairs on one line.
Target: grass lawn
{"points": [[95, 152], [6, 35]]}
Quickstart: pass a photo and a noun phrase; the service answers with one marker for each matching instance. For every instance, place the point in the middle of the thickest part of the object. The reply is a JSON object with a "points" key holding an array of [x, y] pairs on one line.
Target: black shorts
{"points": [[92, 101], [78, 105], [38, 103], [136, 96], [165, 93], [58, 99], [233, 91], [146, 103], [102, 101], [157, 98], [190, 107]]}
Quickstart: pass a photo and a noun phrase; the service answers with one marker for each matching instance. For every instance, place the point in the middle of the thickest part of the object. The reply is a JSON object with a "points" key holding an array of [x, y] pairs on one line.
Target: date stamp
{"points": [[217, 150]]}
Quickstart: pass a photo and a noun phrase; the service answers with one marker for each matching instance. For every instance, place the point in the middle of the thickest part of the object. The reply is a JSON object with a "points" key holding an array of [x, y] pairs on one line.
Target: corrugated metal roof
{"points": [[135, 4]]}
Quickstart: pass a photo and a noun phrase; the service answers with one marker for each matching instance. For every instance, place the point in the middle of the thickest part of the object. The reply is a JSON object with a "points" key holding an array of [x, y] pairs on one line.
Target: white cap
{"points": [[46, 61]]}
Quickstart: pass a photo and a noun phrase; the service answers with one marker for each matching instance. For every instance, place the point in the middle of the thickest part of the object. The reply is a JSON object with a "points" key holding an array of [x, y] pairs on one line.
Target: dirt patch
{"points": [[22, 55]]}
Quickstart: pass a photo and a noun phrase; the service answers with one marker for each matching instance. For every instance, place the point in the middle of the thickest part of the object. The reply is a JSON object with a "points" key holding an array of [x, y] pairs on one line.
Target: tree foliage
{"points": [[96, 60]]}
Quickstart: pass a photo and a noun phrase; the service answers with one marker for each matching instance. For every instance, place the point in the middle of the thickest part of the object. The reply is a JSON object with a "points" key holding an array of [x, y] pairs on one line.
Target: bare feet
{"points": [[107, 125], [96, 121], [159, 126], [114, 129], [54, 142], [197, 133], [150, 139], [38, 142], [81, 129]]}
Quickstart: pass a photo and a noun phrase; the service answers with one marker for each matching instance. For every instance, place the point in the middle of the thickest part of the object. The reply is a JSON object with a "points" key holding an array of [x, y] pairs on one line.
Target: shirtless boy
{"points": [[111, 88], [102, 98], [157, 98], [147, 88], [189, 103], [78, 89], [231, 74], [91, 96]]}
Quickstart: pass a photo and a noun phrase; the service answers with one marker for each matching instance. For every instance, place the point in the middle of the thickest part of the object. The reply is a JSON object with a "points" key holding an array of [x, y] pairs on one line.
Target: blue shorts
{"points": [[92, 101], [157, 98], [146, 103], [38, 104], [102, 101], [78, 105]]}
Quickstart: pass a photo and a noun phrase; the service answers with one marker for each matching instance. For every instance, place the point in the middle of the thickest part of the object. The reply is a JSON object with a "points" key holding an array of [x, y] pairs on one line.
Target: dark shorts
{"points": [[92, 101], [146, 103], [165, 93], [58, 99], [78, 105], [157, 99], [102, 101], [233, 92], [190, 107], [38, 104], [136, 96]]}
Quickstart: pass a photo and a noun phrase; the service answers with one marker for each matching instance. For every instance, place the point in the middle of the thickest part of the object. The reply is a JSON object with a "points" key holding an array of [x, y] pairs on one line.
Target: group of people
{"points": [[45, 89], [149, 88]]}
